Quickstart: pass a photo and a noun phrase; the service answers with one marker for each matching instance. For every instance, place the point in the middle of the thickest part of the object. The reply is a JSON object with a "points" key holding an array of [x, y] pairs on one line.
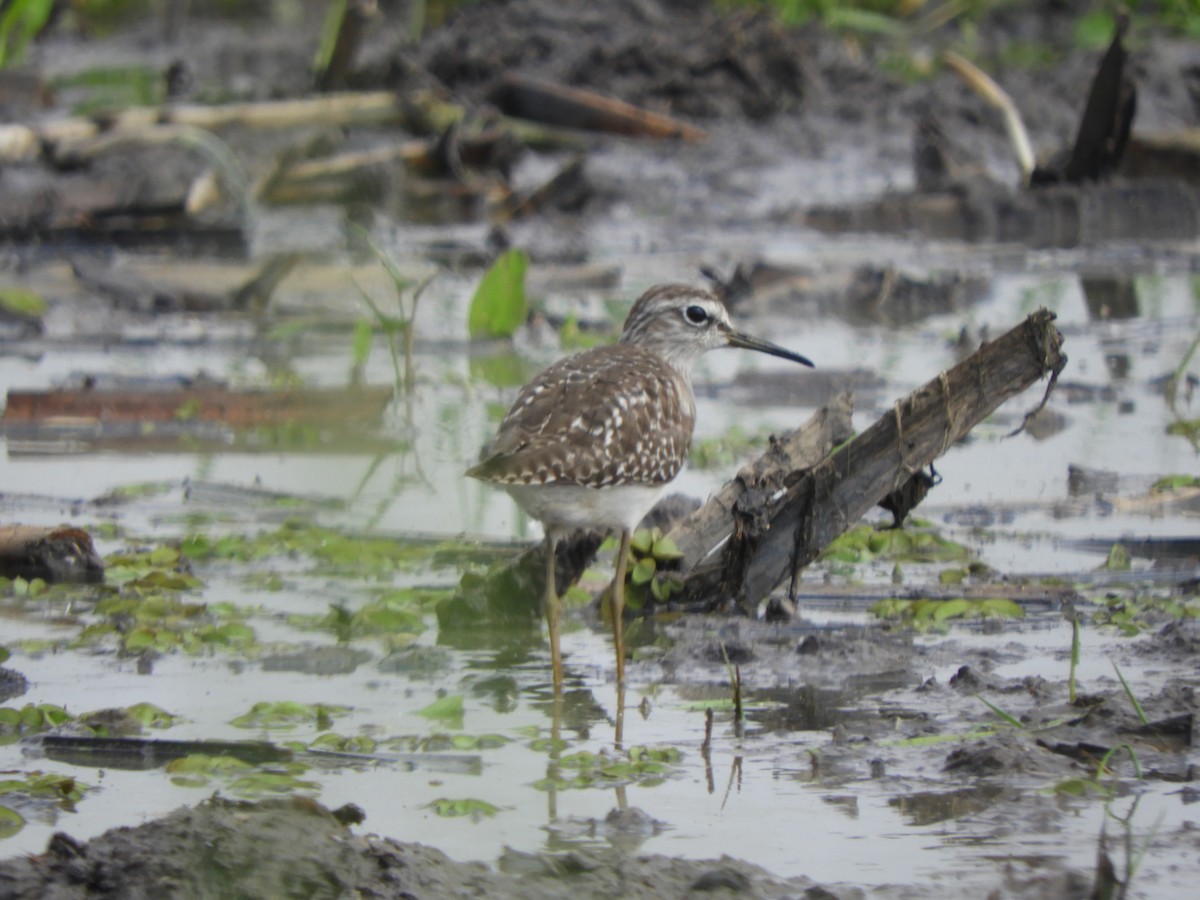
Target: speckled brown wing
{"points": [[607, 416]]}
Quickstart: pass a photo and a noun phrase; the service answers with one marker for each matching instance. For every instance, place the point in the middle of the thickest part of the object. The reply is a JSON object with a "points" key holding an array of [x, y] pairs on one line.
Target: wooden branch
{"points": [[29, 142], [707, 529], [775, 536], [568, 107]]}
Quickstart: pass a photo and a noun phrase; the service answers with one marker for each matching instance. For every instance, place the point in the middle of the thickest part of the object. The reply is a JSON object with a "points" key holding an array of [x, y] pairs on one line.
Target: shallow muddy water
{"points": [[874, 759], [797, 791]]}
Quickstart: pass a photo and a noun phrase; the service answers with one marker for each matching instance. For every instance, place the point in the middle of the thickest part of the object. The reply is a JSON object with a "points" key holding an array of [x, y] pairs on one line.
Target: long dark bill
{"points": [[749, 342]]}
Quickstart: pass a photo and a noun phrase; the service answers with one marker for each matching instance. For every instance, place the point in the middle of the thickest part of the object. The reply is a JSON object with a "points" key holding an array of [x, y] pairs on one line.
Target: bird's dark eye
{"points": [[697, 315]]}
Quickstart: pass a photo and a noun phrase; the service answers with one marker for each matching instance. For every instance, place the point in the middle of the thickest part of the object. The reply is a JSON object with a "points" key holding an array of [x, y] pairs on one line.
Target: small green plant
{"points": [[31, 718], [20, 22], [1169, 483], [465, 808], [447, 710], [395, 617], [1133, 700], [864, 543], [286, 714], [1076, 645], [399, 331], [63, 790], [925, 613], [645, 766], [1133, 611], [650, 551], [498, 307], [199, 770]]}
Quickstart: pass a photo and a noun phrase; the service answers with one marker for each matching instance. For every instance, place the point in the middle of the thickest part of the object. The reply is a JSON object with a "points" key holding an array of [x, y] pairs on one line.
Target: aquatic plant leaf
{"points": [[665, 549], [444, 709], [152, 716], [22, 302], [32, 717], [287, 714], [1174, 483], [643, 571], [1000, 608], [204, 764], [475, 809], [950, 609], [641, 541], [11, 822], [270, 783], [498, 307], [1118, 560], [1007, 717], [359, 743]]}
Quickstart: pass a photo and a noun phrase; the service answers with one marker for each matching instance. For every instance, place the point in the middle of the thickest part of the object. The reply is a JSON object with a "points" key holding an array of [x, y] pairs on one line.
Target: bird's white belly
{"points": [[570, 506]]}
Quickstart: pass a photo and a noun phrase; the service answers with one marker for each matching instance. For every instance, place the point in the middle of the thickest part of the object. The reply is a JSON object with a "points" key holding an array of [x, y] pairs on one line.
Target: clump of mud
{"points": [[298, 848]]}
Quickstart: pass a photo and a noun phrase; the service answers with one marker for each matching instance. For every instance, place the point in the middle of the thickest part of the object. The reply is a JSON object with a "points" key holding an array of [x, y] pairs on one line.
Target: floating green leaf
{"points": [[498, 307], [1118, 560], [10, 822], [1174, 483], [926, 612], [288, 714], [21, 302], [32, 718], [475, 809], [448, 710]]}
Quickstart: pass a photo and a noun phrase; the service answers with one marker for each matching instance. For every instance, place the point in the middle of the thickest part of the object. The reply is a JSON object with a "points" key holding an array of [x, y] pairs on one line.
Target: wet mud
{"points": [[973, 734]]}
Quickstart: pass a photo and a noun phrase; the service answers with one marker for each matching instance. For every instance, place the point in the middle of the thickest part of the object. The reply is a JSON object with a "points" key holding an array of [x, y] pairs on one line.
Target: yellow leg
{"points": [[553, 614], [618, 605]]}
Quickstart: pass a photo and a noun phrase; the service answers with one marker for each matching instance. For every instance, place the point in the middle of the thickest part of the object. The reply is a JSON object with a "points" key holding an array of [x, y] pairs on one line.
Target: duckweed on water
{"points": [[467, 807], [34, 718], [447, 710], [62, 790], [864, 543], [22, 588], [924, 613], [240, 778], [340, 743], [38, 789], [360, 556], [287, 714], [1134, 611], [396, 615], [645, 766], [650, 551], [30, 719]]}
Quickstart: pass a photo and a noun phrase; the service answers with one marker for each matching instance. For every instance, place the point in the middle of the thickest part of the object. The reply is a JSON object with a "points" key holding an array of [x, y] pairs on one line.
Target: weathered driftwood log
{"points": [[30, 142], [705, 530], [563, 106], [52, 554], [780, 527]]}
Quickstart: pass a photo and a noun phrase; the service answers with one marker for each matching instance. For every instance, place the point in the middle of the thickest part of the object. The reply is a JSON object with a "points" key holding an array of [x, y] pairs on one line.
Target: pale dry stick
{"points": [[989, 90], [19, 142]]}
